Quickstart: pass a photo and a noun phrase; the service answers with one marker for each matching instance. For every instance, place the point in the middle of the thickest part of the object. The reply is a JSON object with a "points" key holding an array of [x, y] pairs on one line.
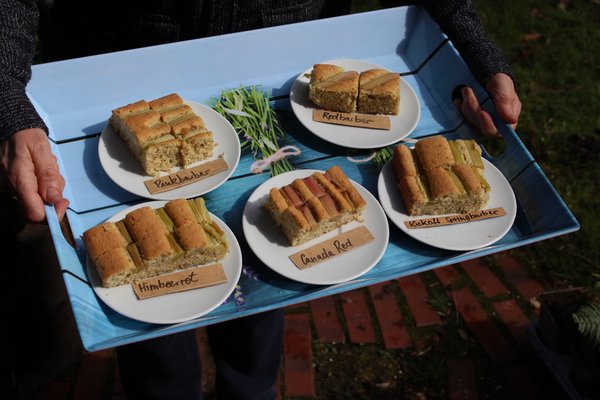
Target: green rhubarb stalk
{"points": [[249, 111]]}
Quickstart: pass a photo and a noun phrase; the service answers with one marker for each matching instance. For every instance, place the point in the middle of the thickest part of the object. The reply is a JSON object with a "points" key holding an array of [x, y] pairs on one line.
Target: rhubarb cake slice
{"points": [[378, 92], [332, 88], [196, 140], [310, 207], [441, 176], [148, 242], [163, 133]]}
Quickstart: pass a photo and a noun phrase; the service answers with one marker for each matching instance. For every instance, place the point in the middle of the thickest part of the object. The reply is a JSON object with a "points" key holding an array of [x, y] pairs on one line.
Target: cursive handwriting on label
{"points": [[352, 119], [331, 248], [187, 279], [186, 176], [455, 218]]}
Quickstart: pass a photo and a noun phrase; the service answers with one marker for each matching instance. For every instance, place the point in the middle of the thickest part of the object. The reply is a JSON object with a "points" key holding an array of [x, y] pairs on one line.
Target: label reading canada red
{"points": [[333, 247]]}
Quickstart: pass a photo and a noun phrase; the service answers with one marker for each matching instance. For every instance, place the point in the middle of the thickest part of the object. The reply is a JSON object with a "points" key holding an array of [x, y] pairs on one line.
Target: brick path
{"points": [[493, 304]]}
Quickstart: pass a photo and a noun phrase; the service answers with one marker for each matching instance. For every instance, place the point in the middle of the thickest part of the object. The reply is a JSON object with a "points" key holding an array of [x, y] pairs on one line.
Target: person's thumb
{"points": [[502, 90], [50, 182]]}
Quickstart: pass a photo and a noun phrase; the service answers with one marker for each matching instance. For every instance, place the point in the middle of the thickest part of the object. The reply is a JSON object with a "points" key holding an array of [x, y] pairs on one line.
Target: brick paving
{"points": [[493, 304]]}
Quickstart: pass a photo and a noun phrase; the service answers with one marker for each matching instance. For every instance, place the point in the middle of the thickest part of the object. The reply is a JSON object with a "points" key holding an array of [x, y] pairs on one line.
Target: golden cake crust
{"points": [[434, 179], [180, 212], [163, 133], [434, 152], [309, 207], [323, 71], [166, 102], [158, 246], [103, 237], [379, 92], [332, 88]]}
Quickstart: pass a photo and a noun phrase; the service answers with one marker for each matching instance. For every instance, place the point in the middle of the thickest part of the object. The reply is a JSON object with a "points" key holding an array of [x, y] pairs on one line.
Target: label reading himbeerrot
{"points": [[187, 279]]}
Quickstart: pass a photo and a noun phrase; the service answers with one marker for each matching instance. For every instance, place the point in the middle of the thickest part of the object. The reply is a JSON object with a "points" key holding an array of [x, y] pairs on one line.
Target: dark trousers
{"points": [[246, 351]]}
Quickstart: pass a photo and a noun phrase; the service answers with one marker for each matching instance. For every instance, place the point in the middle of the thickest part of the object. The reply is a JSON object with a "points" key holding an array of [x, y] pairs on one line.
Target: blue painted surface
{"points": [[75, 98]]}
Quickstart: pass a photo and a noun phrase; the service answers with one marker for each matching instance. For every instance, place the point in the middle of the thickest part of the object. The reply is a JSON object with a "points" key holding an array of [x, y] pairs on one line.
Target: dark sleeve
{"points": [[18, 27], [459, 20]]}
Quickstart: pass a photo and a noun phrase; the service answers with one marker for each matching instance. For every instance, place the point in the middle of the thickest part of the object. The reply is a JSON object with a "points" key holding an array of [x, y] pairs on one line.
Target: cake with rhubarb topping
{"points": [[149, 242], [310, 207], [440, 176], [332, 88], [163, 133], [378, 92]]}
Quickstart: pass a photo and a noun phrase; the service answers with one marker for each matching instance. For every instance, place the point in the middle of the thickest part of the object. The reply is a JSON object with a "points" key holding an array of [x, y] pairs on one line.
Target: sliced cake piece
{"points": [[163, 133], [147, 137], [332, 88], [148, 242], [196, 140], [310, 207], [378, 92], [438, 177]]}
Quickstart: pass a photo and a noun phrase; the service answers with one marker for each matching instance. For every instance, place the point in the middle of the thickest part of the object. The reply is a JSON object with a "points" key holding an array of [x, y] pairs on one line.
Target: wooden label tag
{"points": [[333, 247], [360, 120], [187, 279], [186, 176], [455, 219]]}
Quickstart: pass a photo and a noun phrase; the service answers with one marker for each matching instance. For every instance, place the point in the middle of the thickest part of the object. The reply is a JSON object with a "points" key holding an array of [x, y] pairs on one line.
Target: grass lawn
{"points": [[554, 49]]}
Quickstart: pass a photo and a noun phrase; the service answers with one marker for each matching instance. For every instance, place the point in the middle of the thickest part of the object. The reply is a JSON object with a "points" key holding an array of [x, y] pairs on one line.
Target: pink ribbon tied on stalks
{"points": [[260, 165]]}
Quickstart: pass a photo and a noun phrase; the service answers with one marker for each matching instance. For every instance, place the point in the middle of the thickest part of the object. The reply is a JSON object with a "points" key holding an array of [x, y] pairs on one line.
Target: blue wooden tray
{"points": [[75, 98]]}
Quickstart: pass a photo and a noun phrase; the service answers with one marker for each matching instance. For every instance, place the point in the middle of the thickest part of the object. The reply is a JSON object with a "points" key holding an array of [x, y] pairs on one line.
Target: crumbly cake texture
{"points": [[378, 92], [375, 91], [332, 88], [149, 242], [162, 133], [310, 207], [440, 176]]}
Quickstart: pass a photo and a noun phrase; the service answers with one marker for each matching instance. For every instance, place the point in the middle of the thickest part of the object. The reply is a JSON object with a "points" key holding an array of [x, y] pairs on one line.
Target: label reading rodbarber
{"points": [[455, 218], [187, 279], [333, 247], [360, 120], [185, 176]]}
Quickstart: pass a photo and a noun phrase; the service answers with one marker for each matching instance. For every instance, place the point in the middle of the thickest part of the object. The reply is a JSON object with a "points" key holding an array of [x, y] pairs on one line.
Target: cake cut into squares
{"points": [[332, 88], [310, 207], [378, 92], [441, 176], [163, 133], [149, 242]]}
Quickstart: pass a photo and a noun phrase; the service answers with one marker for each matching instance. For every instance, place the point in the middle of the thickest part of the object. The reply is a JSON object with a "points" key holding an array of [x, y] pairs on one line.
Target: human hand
{"points": [[30, 171], [502, 91]]}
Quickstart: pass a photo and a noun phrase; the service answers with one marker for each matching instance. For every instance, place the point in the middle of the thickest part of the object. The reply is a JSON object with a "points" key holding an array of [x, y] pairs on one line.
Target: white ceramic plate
{"points": [[126, 172], [272, 248], [461, 237], [175, 307], [354, 137]]}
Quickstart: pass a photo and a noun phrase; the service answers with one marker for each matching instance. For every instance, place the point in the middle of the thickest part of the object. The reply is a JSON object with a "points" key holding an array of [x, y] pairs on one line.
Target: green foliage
{"points": [[382, 155], [249, 111], [587, 318]]}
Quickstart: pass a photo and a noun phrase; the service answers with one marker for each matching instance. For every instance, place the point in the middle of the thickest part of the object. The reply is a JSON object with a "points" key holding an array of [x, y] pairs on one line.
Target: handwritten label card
{"points": [[455, 219], [360, 120], [186, 176], [187, 279], [333, 247]]}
